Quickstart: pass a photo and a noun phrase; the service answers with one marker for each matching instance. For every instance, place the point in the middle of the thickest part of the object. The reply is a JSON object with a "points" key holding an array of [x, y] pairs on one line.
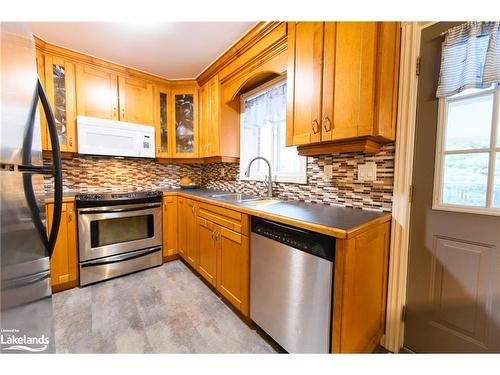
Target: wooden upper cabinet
{"points": [[136, 101], [209, 104], [163, 122], [304, 78], [97, 93], [64, 259], [60, 89], [349, 79], [357, 87], [40, 67], [214, 116], [204, 113], [185, 135]]}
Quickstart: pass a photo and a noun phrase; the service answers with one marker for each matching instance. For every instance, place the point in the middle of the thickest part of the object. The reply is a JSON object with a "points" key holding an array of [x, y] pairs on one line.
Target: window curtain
{"points": [[270, 106], [470, 58]]}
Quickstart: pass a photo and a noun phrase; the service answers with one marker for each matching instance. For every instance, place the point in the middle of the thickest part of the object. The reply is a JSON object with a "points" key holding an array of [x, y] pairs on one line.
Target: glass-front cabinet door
{"points": [[60, 87], [162, 122], [185, 123]]}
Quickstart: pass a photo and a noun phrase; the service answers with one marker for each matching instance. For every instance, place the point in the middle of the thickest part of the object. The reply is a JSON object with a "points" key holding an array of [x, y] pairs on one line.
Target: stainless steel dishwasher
{"points": [[291, 285]]}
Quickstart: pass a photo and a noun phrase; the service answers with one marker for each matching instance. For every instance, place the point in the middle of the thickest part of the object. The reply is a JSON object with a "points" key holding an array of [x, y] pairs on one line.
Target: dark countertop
{"points": [[336, 218], [342, 218]]}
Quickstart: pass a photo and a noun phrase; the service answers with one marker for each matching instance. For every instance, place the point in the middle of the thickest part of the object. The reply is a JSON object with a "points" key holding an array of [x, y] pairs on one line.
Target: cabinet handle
{"points": [[114, 112], [192, 210], [70, 215], [315, 127], [327, 124], [123, 114], [70, 141]]}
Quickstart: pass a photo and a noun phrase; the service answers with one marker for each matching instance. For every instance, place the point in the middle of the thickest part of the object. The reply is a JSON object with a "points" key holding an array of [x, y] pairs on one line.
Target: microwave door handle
{"points": [[56, 168]]}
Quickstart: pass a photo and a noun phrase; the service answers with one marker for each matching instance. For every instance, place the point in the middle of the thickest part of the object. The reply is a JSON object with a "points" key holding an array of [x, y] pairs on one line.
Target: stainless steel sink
{"points": [[233, 197], [261, 201], [251, 200]]}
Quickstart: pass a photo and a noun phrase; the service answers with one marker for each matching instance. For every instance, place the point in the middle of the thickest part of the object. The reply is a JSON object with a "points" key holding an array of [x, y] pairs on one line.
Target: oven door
{"points": [[105, 231]]}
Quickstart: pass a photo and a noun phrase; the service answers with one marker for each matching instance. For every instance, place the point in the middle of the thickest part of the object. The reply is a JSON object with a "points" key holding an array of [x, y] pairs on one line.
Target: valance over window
{"points": [[470, 58], [267, 107]]}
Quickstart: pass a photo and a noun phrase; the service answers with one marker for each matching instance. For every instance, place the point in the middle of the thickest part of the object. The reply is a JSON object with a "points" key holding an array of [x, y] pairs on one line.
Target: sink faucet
{"points": [[269, 178]]}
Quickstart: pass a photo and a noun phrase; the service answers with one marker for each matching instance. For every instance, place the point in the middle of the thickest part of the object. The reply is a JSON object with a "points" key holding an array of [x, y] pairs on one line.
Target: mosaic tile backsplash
{"points": [[342, 189], [93, 174]]}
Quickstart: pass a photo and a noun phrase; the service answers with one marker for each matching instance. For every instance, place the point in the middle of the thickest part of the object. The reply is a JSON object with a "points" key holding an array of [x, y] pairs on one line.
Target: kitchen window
{"points": [[263, 133], [468, 152]]}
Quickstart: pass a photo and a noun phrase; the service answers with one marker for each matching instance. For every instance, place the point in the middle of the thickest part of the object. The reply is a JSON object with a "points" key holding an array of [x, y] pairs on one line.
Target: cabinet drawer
{"points": [[227, 218]]}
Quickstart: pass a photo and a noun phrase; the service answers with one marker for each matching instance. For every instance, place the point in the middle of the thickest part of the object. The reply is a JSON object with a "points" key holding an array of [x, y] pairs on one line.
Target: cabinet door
{"points": [[207, 263], [192, 254], [304, 79], [349, 85], [40, 67], [204, 114], [233, 268], [169, 226], [97, 93], [162, 122], [213, 117], [185, 117], [182, 227], [136, 101], [64, 260], [60, 87]]}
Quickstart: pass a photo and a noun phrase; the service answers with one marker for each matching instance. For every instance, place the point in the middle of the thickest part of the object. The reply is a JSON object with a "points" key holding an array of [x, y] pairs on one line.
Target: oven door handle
{"points": [[84, 211], [120, 257]]}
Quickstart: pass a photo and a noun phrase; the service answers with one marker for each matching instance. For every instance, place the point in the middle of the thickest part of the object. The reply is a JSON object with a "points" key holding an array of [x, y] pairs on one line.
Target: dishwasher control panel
{"points": [[310, 242]]}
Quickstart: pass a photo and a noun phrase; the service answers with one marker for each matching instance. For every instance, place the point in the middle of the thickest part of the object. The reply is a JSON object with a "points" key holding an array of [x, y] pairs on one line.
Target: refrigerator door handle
{"points": [[56, 171]]}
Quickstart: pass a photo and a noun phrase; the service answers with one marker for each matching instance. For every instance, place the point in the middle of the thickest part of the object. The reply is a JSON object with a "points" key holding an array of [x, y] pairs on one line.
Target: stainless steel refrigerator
{"points": [[25, 247]]}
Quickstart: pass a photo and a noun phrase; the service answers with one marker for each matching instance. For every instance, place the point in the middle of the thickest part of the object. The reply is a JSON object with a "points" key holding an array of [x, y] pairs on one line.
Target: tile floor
{"points": [[165, 309]]}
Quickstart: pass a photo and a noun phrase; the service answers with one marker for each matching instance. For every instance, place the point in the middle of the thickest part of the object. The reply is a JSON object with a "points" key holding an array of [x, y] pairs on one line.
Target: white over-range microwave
{"points": [[115, 138]]}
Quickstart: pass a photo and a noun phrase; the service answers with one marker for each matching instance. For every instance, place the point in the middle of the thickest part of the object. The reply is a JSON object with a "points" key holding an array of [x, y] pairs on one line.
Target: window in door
{"points": [[468, 152], [263, 133]]}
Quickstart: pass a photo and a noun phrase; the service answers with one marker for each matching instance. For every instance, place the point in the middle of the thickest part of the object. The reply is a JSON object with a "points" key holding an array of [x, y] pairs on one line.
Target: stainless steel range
{"points": [[118, 234]]}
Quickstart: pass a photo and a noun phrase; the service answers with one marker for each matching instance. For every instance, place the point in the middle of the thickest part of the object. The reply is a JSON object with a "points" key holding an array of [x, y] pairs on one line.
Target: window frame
{"points": [[254, 176], [493, 150]]}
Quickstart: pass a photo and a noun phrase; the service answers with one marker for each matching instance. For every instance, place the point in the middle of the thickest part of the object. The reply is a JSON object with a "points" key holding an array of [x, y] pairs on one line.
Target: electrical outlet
{"points": [[328, 171], [367, 172]]}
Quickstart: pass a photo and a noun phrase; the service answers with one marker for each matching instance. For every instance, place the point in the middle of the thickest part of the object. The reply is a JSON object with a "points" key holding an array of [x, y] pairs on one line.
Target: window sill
{"points": [[467, 209]]}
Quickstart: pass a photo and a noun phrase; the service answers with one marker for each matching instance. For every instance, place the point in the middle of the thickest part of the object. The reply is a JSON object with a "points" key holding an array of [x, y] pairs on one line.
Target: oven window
{"points": [[123, 229]]}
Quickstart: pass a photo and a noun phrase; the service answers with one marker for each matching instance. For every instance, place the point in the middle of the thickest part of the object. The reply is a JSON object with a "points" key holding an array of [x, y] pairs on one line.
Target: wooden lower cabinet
{"points": [[187, 230], [64, 260], [170, 226], [233, 266], [360, 291], [207, 240], [181, 227], [223, 258]]}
